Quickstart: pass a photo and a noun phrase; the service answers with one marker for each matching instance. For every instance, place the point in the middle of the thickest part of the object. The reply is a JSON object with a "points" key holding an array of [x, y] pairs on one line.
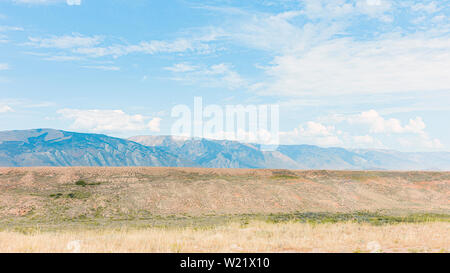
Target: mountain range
{"points": [[49, 147]]}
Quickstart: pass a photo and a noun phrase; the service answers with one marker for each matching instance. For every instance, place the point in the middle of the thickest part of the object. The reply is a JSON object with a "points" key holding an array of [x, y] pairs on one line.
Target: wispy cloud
{"points": [[62, 58], [344, 66], [150, 47], [328, 10], [4, 37], [322, 55], [103, 67], [181, 67], [10, 28], [25, 103], [431, 7], [74, 40], [73, 2], [5, 109], [97, 46], [4, 66], [218, 75], [47, 2]]}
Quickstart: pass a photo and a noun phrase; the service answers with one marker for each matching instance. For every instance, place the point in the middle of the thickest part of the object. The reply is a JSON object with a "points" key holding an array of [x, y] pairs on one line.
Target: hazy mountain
{"points": [[226, 154], [209, 153], [48, 147], [406, 161]]}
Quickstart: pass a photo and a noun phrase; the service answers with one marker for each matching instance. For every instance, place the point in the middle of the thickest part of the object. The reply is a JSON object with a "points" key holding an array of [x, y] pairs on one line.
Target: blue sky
{"points": [[358, 74]]}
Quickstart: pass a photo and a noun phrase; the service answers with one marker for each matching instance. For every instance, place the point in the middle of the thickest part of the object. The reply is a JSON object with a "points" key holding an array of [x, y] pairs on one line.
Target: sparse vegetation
{"points": [[84, 183], [81, 183], [72, 195], [283, 177], [53, 202], [56, 195], [357, 217], [256, 236], [78, 195]]}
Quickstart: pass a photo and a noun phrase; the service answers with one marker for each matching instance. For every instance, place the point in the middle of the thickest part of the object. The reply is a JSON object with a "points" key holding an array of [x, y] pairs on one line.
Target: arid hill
{"points": [[66, 194]]}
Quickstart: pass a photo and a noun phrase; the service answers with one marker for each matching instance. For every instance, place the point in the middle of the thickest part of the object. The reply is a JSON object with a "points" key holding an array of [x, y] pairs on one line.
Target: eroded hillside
{"points": [[67, 194]]}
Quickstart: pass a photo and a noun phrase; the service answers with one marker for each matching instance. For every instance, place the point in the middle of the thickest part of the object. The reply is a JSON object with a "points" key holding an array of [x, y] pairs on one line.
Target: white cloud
{"points": [[14, 104], [3, 39], [432, 143], [316, 129], [10, 28], [439, 18], [107, 121], [45, 2], [155, 124], [218, 75], [94, 46], [276, 34], [345, 66], [367, 130], [181, 67], [431, 7], [416, 126], [319, 50], [35, 1], [62, 58], [420, 142], [103, 67], [151, 47], [327, 9], [5, 109], [312, 133], [73, 2], [331, 9], [365, 140], [375, 9], [379, 124], [4, 66], [296, 137], [64, 42]]}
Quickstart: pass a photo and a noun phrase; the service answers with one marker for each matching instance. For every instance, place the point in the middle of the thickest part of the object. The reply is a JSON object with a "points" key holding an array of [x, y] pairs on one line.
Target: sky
{"points": [[357, 74]]}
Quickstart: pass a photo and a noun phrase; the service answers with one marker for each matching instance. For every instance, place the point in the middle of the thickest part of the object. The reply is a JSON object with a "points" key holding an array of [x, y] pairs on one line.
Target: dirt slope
{"points": [[118, 193]]}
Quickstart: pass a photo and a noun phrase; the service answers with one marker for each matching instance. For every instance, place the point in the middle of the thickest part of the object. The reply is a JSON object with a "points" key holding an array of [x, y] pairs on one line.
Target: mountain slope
{"points": [[209, 153], [48, 147], [232, 154]]}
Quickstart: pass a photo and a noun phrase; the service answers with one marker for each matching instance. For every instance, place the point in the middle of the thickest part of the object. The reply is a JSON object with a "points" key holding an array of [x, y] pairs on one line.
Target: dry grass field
{"points": [[254, 237], [222, 210]]}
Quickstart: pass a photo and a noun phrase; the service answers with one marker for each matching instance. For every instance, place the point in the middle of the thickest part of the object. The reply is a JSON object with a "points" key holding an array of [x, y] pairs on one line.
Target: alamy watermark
{"points": [[74, 246], [257, 124]]}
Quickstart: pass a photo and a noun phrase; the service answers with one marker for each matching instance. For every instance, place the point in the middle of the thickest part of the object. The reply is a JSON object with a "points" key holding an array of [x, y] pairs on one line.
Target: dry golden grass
{"points": [[255, 237]]}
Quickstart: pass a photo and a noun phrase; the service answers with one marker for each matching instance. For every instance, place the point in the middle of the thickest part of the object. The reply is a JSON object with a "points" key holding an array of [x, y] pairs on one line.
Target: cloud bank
{"points": [[109, 121]]}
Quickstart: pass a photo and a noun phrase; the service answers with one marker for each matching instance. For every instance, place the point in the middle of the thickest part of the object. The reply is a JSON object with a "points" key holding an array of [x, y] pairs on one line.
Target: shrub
{"points": [[81, 183]]}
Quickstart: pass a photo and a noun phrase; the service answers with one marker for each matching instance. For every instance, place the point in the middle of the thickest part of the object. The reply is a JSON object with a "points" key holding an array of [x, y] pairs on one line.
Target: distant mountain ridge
{"points": [[49, 147], [232, 154]]}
